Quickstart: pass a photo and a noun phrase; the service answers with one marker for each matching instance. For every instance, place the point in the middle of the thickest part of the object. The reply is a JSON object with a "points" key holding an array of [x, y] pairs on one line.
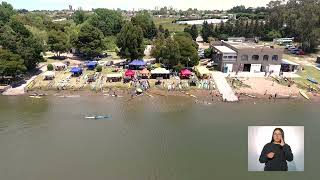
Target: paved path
{"points": [[223, 87], [20, 89]]}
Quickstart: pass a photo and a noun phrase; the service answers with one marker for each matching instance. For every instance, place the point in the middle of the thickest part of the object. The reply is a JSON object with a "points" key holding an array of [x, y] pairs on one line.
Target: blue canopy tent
{"points": [[137, 64], [76, 71], [91, 65]]}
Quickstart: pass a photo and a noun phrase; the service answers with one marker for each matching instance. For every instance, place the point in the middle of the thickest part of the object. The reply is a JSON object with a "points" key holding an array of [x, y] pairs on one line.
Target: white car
{"points": [[288, 46]]}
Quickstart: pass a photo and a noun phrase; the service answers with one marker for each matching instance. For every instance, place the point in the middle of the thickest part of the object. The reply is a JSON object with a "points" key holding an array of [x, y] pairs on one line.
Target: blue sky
{"points": [[133, 4]]}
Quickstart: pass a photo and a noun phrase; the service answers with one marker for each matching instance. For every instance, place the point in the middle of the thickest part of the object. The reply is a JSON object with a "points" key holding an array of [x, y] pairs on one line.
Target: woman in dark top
{"points": [[276, 153]]}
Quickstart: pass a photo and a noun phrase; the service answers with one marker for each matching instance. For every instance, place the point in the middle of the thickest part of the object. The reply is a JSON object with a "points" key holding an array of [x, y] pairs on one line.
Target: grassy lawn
{"points": [[112, 54], [167, 24], [109, 70], [308, 71]]}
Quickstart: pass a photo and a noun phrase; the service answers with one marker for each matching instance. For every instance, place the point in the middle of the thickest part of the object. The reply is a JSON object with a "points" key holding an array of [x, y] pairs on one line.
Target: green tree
{"points": [[205, 31], [108, 21], [188, 50], [158, 44], [57, 42], [273, 35], [90, 41], [130, 41], [170, 53], [79, 16], [15, 37], [72, 33], [145, 21], [11, 64], [208, 53], [193, 31], [6, 11], [40, 35]]}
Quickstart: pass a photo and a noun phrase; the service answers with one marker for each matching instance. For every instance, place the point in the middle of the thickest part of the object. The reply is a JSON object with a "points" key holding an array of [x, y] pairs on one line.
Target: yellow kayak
{"points": [[304, 94]]}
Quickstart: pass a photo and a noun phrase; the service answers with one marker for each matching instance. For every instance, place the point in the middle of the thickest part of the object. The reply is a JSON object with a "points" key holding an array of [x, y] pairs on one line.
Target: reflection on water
{"points": [[146, 138]]}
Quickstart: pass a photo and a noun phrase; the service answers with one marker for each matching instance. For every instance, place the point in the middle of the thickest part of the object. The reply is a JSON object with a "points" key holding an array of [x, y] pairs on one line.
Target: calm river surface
{"points": [[159, 138]]}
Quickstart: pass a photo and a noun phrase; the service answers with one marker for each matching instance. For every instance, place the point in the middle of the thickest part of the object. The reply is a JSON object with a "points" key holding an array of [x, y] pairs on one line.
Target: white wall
{"points": [[255, 68], [275, 68], [230, 66], [258, 136]]}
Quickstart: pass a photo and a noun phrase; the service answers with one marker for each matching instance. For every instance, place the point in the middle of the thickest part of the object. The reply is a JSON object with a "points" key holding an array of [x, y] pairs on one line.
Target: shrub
{"points": [[50, 67], [99, 68], [208, 53]]}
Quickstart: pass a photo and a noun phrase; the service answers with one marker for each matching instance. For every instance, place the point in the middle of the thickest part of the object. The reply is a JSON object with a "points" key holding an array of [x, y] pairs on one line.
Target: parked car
{"points": [[292, 47], [300, 52], [294, 51], [289, 46]]}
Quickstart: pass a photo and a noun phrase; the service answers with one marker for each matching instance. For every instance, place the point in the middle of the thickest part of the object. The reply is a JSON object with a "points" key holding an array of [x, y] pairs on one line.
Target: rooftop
{"points": [[224, 49], [248, 45]]}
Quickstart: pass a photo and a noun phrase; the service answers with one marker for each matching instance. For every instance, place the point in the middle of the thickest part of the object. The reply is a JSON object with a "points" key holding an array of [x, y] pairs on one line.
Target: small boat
{"points": [[304, 94], [312, 80], [36, 97], [97, 117], [191, 95]]}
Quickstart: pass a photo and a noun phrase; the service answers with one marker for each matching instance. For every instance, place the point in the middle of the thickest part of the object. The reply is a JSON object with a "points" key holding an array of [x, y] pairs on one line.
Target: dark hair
{"points": [[279, 129]]}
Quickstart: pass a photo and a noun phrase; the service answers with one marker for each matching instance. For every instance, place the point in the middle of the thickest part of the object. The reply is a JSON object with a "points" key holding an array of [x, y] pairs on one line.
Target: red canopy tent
{"points": [[185, 73], [129, 73]]}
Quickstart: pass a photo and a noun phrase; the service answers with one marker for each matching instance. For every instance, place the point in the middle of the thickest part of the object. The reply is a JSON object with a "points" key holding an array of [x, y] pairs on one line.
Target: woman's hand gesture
{"points": [[282, 142], [270, 155]]}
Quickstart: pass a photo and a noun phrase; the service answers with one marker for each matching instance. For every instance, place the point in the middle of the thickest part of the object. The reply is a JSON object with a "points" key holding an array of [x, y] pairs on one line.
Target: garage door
{"points": [[255, 68]]}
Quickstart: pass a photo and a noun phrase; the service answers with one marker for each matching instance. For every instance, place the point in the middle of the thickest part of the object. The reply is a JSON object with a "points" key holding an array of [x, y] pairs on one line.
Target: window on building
{"points": [[235, 57], [225, 57], [275, 58], [229, 57], [255, 57], [265, 57], [244, 58]]}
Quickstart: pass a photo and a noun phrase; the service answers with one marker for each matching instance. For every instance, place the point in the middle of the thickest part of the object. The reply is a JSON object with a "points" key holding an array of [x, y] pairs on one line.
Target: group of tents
{"points": [[136, 68]]}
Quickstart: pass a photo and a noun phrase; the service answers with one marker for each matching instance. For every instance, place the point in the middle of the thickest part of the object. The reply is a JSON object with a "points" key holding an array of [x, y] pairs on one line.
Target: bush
{"points": [[99, 68], [208, 53], [178, 67], [50, 67]]}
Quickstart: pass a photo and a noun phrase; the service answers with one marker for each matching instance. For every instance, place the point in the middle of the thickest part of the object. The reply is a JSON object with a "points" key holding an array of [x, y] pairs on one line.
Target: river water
{"points": [[160, 138]]}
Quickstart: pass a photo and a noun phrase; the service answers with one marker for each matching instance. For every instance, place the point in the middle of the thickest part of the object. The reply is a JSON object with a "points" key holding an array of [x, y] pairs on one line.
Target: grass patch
{"points": [[308, 71], [236, 83], [167, 24]]}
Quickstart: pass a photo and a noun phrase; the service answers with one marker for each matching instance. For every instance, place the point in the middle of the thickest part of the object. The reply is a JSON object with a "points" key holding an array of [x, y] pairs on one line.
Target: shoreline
{"points": [[199, 95]]}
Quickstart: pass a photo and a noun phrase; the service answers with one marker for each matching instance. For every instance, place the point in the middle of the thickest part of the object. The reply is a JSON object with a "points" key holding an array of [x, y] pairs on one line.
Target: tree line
{"points": [[295, 18], [25, 37]]}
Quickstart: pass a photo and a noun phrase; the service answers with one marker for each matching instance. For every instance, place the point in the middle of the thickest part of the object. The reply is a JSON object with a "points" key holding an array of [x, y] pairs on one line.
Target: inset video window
{"points": [[275, 148]]}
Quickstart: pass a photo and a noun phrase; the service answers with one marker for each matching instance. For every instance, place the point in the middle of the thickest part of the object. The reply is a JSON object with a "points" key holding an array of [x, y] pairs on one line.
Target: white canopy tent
{"points": [[48, 75], [114, 75], [160, 71], [59, 66]]}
